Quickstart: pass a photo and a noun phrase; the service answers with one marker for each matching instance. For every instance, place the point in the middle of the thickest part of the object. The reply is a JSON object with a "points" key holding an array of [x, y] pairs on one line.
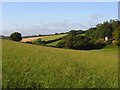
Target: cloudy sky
{"points": [[31, 18]]}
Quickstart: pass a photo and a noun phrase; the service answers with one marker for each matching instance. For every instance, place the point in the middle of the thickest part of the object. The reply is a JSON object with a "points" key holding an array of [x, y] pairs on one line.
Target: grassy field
{"points": [[34, 66], [53, 37], [81, 34], [46, 38], [53, 43]]}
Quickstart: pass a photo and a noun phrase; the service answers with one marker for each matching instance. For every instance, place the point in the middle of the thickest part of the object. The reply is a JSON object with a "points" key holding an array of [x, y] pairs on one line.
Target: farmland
{"points": [[34, 66], [53, 43], [46, 38]]}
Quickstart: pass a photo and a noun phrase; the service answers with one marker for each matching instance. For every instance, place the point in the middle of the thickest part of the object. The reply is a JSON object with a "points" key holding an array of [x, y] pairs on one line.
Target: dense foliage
{"points": [[43, 42], [93, 38], [103, 30], [74, 42], [108, 29], [79, 43], [116, 35], [75, 32], [38, 41], [16, 36]]}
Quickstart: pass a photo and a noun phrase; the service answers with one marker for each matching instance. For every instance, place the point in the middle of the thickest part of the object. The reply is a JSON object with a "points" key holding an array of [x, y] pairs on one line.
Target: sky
{"points": [[30, 18]]}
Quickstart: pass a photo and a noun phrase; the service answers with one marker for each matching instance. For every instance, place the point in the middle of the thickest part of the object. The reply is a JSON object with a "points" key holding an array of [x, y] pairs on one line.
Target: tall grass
{"points": [[33, 66]]}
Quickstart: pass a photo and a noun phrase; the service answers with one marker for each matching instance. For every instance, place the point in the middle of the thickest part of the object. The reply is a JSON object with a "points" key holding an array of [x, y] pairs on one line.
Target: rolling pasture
{"points": [[34, 66], [53, 43], [46, 38]]}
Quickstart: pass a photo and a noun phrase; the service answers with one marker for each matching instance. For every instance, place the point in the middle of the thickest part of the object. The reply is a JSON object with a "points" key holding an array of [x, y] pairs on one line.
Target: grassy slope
{"points": [[27, 65], [52, 38], [46, 38], [81, 34], [53, 43]]}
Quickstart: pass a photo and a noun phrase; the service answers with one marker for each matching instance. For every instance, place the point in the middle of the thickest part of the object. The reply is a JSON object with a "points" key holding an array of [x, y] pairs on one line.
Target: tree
{"points": [[16, 36], [115, 24], [91, 32], [74, 42], [103, 30], [72, 32], [116, 35], [38, 41]]}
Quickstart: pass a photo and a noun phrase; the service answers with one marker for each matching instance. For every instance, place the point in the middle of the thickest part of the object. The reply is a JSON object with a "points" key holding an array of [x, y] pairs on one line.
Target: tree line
{"points": [[94, 38], [108, 29]]}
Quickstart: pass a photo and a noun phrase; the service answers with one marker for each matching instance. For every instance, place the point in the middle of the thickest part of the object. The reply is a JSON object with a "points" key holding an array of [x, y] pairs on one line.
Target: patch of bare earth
{"points": [[32, 39]]}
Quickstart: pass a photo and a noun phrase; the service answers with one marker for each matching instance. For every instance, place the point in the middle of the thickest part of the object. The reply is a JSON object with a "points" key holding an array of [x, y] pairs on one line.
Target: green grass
{"points": [[54, 37], [26, 66], [53, 43], [81, 34], [46, 38]]}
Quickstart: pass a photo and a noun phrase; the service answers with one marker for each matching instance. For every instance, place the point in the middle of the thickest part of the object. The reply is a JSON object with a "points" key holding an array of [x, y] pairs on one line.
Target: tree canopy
{"points": [[16, 36], [103, 30]]}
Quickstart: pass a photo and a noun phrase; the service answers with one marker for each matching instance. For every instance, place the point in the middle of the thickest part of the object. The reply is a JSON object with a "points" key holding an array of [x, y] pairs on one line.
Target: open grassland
{"points": [[46, 38], [81, 34], [56, 42], [53, 43], [34, 66]]}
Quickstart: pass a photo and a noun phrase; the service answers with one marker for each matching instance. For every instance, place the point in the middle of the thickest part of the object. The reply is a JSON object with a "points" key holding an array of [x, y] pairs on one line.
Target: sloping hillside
{"points": [[46, 38], [33, 66]]}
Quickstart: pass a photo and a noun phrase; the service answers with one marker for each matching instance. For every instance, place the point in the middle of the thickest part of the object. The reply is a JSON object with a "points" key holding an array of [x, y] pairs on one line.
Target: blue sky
{"points": [[44, 18]]}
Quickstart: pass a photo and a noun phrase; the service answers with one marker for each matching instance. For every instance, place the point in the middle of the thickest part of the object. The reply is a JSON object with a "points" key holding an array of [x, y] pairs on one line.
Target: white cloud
{"points": [[52, 27]]}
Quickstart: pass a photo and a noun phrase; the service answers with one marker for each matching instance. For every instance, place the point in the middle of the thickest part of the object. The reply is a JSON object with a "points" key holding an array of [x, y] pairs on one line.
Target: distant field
{"points": [[33, 66], [53, 43], [46, 38], [81, 34]]}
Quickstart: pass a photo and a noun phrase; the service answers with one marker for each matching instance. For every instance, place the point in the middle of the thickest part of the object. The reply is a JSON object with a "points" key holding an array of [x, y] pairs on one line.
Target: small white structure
{"points": [[106, 38]]}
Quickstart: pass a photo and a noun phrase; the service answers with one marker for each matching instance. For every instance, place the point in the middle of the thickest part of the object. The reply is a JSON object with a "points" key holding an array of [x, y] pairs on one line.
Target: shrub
{"points": [[72, 32], [100, 41], [80, 43], [16, 36], [74, 42], [60, 44], [38, 41], [116, 35], [109, 42], [118, 43]]}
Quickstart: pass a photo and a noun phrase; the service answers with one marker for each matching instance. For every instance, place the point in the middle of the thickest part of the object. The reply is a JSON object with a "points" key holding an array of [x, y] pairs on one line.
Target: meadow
{"points": [[46, 38], [53, 43], [34, 66]]}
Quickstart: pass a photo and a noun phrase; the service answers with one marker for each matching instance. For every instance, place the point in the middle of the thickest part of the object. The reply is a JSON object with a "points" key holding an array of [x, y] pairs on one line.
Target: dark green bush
{"points": [[74, 42], [60, 44], [109, 42], [80, 43], [38, 41], [16, 36], [118, 43]]}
